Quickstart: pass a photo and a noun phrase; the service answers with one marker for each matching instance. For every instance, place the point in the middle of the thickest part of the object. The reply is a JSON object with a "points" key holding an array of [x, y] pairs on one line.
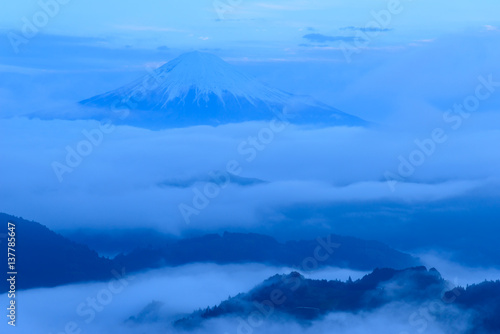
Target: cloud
{"points": [[329, 169], [491, 28], [283, 7], [320, 38], [185, 289], [366, 29], [320, 180], [23, 70], [147, 28], [393, 318], [458, 274], [182, 290], [163, 48], [426, 40]]}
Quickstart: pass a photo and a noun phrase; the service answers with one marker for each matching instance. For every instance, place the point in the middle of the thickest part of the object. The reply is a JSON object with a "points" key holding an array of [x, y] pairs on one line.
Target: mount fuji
{"points": [[199, 88]]}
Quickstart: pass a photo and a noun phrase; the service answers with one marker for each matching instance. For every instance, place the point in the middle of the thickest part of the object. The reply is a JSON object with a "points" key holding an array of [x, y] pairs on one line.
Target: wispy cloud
{"points": [[147, 28], [320, 38], [278, 7], [421, 42], [366, 29], [23, 70], [491, 28], [163, 48], [428, 40]]}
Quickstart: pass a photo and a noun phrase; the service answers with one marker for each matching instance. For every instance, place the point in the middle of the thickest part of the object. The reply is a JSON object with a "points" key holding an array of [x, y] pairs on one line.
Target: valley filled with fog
{"points": [[250, 167]]}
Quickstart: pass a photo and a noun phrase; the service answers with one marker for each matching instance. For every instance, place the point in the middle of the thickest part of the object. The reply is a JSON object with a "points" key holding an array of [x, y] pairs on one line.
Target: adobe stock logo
{"points": [[33, 25]]}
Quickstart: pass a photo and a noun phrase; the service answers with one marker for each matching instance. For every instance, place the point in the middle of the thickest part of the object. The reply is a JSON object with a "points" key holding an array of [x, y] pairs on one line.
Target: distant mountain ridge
{"points": [[231, 179], [332, 250], [48, 259], [199, 88]]}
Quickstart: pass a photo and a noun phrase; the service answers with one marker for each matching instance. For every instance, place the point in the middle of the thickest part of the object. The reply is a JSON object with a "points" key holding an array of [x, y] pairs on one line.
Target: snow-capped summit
{"points": [[207, 74], [200, 88]]}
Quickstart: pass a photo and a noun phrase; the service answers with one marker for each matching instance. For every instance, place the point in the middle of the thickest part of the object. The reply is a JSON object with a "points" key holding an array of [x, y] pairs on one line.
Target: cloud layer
{"points": [[105, 306]]}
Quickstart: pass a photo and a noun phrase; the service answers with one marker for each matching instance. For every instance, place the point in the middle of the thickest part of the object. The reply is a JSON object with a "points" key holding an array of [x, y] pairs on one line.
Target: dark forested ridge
{"points": [[304, 298], [296, 297], [46, 258], [484, 299]]}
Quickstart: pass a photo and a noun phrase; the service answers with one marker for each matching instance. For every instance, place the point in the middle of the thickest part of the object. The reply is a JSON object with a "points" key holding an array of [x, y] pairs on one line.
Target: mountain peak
{"points": [[199, 88], [208, 75], [199, 57]]}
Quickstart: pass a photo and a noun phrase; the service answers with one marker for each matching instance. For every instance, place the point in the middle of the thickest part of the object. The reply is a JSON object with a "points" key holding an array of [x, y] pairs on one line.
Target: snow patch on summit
{"points": [[207, 75]]}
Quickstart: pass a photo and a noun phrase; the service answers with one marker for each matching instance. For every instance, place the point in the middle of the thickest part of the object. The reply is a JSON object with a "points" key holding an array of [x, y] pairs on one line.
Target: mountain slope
{"points": [[484, 299], [201, 89], [306, 299], [293, 297], [46, 259]]}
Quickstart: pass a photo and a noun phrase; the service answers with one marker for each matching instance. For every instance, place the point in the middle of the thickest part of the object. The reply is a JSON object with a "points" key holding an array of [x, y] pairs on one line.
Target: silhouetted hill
{"points": [[149, 314], [306, 299], [484, 299], [45, 258], [294, 297], [332, 250]]}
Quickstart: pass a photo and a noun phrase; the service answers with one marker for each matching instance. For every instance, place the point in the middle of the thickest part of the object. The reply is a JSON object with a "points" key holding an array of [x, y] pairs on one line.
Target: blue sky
{"points": [[264, 30]]}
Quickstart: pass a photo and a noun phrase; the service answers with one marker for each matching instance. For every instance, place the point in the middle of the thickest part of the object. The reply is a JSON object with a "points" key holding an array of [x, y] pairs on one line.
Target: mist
{"points": [[310, 177], [107, 306], [419, 170]]}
